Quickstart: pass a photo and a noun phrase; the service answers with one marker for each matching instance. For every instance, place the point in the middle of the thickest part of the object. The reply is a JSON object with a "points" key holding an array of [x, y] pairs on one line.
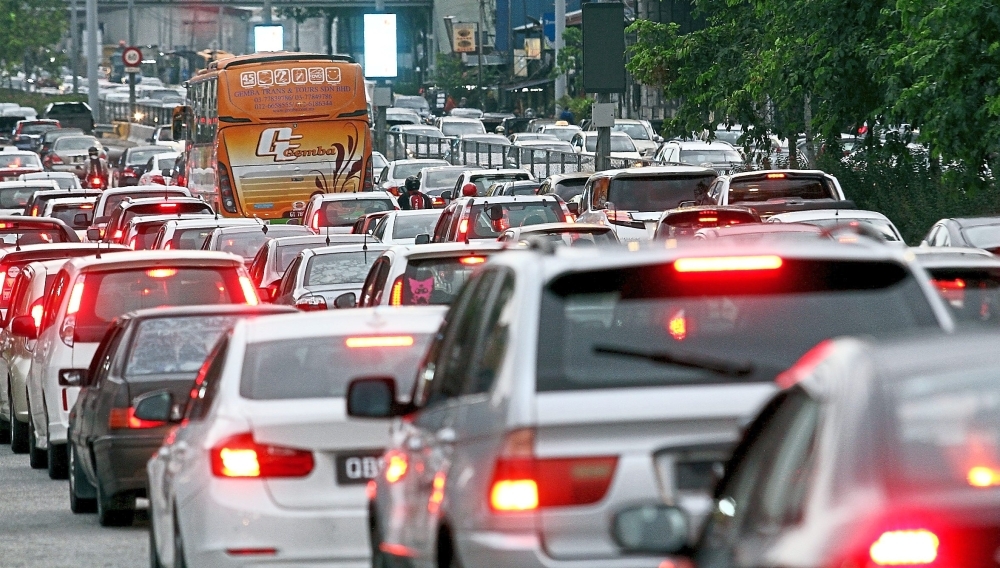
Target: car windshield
{"points": [[68, 212], [38, 128], [945, 431], [112, 201], [440, 178], [699, 157], [514, 214], [656, 193], [75, 143], [881, 226], [13, 161], [691, 322], [107, 295], [338, 268], [16, 197], [779, 186], [618, 144], [409, 226], [561, 132], [344, 212], [983, 236], [450, 128], [972, 294], [436, 281], [484, 181], [321, 367], [32, 233], [175, 345], [634, 131]]}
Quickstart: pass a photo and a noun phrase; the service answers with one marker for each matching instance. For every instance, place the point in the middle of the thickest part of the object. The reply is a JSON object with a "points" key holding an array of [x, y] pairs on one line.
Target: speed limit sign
{"points": [[132, 57]]}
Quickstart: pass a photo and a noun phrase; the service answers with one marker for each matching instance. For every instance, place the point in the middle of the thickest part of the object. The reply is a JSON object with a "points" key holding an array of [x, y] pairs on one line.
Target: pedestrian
{"points": [[413, 198]]}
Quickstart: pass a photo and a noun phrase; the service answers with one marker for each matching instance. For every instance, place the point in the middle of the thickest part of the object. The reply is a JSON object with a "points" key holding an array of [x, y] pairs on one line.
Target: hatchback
{"points": [[274, 256], [326, 277], [246, 240], [339, 211]]}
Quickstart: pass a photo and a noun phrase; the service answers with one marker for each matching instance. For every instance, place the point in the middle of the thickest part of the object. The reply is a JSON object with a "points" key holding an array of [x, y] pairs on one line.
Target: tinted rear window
{"points": [[972, 294], [287, 253], [16, 197], [190, 239], [322, 367], [514, 215], [569, 188], [146, 235], [435, 280], [113, 200], [164, 346], [339, 268], [69, 108], [749, 325], [656, 193], [686, 223], [484, 182], [165, 208], [68, 214], [32, 233], [409, 226], [763, 189], [343, 213], [139, 158], [107, 295], [247, 243]]}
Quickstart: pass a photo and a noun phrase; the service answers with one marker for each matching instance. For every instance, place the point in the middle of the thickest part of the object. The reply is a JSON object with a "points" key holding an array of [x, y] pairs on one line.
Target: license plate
{"points": [[77, 159], [357, 468], [295, 214]]}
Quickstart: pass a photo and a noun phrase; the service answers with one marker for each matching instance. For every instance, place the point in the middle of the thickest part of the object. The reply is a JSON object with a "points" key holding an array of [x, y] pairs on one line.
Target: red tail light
{"points": [[170, 206], [124, 418], [117, 235], [37, 311], [55, 159], [396, 294], [311, 303], [249, 294], [369, 176], [393, 190], [914, 547], [226, 190], [128, 171], [463, 228], [67, 331], [241, 456], [523, 482], [396, 466], [34, 211], [775, 176], [7, 276]]}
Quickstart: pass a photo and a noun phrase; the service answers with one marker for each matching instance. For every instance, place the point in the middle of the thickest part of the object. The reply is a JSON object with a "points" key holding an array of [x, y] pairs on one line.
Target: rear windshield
{"points": [[164, 346], [64, 144], [107, 295], [439, 179], [654, 325], [68, 214], [403, 171], [287, 253], [763, 189], [32, 233], [409, 226], [699, 157], [112, 201], [436, 280], [972, 294], [165, 208], [687, 223], [339, 268], [569, 188], [344, 212], [484, 181], [322, 367], [19, 161], [38, 128], [69, 108], [656, 193], [574, 238], [514, 215], [190, 239], [247, 243], [16, 197], [984, 236], [146, 235], [460, 128]]}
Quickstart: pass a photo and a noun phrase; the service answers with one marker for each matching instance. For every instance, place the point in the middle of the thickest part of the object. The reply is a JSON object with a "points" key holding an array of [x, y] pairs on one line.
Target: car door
{"points": [[86, 418], [287, 285]]}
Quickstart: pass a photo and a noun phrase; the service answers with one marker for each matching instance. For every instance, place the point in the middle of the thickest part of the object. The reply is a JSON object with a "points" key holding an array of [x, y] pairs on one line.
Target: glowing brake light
{"points": [[708, 219], [161, 272], [905, 548], [241, 456], [249, 294], [396, 294], [37, 310], [775, 176], [75, 297], [463, 227], [124, 418], [982, 476], [118, 235], [472, 259], [379, 341], [727, 263], [396, 467], [168, 206], [515, 495]]}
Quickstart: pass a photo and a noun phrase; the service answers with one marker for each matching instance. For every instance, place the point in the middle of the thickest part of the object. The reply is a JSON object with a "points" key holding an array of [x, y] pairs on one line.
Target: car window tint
{"points": [[206, 384], [338, 268], [164, 346], [489, 352]]}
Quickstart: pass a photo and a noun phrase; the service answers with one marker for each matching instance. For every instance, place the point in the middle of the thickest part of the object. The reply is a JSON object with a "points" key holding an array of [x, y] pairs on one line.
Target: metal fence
{"points": [[150, 115]]}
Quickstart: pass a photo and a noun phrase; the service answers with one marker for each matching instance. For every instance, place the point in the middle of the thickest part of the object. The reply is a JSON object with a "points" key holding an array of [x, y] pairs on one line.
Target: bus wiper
{"points": [[716, 365]]}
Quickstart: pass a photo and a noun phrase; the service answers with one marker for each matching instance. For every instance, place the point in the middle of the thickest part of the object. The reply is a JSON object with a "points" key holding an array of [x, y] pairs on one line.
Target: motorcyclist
{"points": [[96, 175], [413, 198]]}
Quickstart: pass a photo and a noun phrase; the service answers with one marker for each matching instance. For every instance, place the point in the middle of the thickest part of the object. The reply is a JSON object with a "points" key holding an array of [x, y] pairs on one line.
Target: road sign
{"points": [[132, 56]]}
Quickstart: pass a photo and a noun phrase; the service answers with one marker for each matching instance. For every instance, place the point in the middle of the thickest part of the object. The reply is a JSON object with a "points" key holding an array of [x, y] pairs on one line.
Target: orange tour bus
{"points": [[265, 132]]}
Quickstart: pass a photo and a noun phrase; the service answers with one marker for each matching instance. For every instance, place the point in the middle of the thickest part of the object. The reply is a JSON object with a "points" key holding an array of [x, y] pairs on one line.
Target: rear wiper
{"points": [[704, 362]]}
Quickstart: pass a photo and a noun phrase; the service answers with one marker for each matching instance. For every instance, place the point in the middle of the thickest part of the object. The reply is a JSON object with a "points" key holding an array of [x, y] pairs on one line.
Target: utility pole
{"points": [[560, 29], [219, 48], [131, 43], [267, 12], [479, 52], [74, 49], [92, 58], [603, 118]]}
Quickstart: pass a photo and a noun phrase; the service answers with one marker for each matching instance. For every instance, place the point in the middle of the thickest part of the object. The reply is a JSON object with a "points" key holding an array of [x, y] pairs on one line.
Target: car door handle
{"points": [[445, 435]]}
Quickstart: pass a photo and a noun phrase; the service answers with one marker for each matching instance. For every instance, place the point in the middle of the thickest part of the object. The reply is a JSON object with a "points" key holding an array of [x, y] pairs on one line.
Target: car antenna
{"points": [[263, 226], [17, 237], [327, 235]]}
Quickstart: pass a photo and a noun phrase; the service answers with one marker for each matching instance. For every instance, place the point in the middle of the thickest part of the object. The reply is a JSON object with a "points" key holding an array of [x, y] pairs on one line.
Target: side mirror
{"points": [[446, 195], [371, 397], [348, 300], [495, 212], [651, 529], [573, 207], [422, 239], [157, 406], [469, 190], [657, 138], [24, 326], [74, 378], [166, 172], [93, 234]]}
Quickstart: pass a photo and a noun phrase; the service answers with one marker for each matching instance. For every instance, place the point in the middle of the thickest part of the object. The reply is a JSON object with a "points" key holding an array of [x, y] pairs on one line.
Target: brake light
{"points": [[463, 227], [168, 206], [75, 297], [226, 190], [118, 235], [251, 551], [55, 159], [472, 259], [86, 206], [396, 466], [311, 303], [128, 171], [523, 482], [728, 263], [272, 290], [805, 365], [95, 182], [124, 418], [437, 202], [396, 295], [241, 456], [708, 219], [379, 341], [249, 294], [982, 476], [132, 243], [775, 176], [161, 272], [570, 218], [905, 548], [37, 311], [34, 211]]}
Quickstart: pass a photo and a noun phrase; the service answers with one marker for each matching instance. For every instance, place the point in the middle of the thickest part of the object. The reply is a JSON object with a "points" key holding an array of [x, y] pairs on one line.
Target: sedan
{"points": [[70, 154], [976, 232], [327, 277]]}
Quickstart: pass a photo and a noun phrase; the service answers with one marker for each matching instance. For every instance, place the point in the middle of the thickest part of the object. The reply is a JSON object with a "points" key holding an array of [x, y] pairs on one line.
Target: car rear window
{"points": [[569, 188], [515, 214], [656, 193], [69, 108], [287, 253], [339, 268], [140, 157], [574, 238], [700, 320], [344, 212], [12, 161], [436, 281], [112, 201], [440, 178], [190, 239], [165, 208], [984, 236], [68, 214], [71, 144], [247, 243], [687, 223], [16, 197], [32, 233], [321, 367], [409, 226], [107, 295], [485, 181], [176, 345], [780, 186], [972, 294], [38, 128]]}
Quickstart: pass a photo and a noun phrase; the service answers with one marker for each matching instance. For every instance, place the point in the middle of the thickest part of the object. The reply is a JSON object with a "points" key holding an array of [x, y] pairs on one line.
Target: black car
{"points": [[130, 166], [974, 232], [71, 115], [145, 351]]}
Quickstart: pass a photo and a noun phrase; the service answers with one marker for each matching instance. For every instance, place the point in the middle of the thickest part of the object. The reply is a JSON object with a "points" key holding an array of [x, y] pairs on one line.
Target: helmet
{"points": [[92, 151], [412, 183]]}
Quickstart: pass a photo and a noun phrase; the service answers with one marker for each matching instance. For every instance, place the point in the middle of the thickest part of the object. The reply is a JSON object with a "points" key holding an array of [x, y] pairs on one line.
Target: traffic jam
{"points": [[652, 366]]}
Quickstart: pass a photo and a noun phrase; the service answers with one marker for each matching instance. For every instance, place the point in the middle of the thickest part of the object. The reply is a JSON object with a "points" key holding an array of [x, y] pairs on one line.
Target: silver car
{"points": [[319, 278], [576, 406]]}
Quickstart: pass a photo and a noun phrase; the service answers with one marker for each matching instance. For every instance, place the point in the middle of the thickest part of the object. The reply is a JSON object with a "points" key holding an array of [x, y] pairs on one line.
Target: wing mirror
{"points": [[24, 326], [348, 300], [373, 397], [446, 195], [422, 239], [93, 234], [74, 378], [653, 529], [157, 406]]}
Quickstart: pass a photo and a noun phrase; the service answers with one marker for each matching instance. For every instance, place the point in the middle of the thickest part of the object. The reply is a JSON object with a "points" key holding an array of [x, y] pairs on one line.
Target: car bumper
{"points": [[121, 461], [239, 514], [524, 550]]}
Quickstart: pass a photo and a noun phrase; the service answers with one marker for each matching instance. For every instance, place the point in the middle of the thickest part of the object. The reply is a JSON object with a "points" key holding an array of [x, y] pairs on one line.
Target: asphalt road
{"points": [[37, 529]]}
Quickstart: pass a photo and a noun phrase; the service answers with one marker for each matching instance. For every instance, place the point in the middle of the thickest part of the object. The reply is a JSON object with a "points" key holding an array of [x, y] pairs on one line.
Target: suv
{"points": [[484, 218], [476, 182], [779, 191], [71, 115], [632, 200], [87, 294], [110, 198], [575, 406], [720, 156], [339, 211], [126, 210]]}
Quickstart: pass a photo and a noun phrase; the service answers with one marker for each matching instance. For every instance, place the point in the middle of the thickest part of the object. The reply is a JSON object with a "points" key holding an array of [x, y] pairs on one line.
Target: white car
{"points": [[403, 227], [86, 295], [622, 147], [646, 139], [158, 169], [454, 127], [833, 218], [15, 195], [65, 180], [77, 212], [192, 233], [337, 212], [266, 467]]}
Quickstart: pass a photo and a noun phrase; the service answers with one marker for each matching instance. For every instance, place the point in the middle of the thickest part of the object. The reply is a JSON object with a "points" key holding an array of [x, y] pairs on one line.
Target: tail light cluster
{"points": [[311, 303], [7, 276], [912, 547], [241, 456], [369, 175], [68, 329], [226, 190], [623, 218], [523, 482], [396, 292], [249, 293], [124, 418]]}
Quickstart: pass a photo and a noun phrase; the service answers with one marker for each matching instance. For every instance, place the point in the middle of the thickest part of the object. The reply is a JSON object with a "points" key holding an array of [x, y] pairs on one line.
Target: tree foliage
{"points": [[28, 29]]}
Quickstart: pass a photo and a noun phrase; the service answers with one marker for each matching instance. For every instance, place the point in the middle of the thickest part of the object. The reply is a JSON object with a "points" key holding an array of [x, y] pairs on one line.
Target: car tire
{"points": [[81, 491], [58, 461], [37, 457], [116, 510], [18, 429], [179, 560]]}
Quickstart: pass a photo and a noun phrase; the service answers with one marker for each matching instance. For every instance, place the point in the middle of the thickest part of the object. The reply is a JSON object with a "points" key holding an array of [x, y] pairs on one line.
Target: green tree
{"points": [[27, 27]]}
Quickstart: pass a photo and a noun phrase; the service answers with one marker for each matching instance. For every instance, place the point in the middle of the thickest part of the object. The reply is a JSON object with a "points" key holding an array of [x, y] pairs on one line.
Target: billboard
{"points": [[268, 38], [464, 40], [380, 45]]}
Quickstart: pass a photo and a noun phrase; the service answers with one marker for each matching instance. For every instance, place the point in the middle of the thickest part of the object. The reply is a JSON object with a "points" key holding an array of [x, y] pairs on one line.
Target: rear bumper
{"points": [[121, 461], [524, 550]]}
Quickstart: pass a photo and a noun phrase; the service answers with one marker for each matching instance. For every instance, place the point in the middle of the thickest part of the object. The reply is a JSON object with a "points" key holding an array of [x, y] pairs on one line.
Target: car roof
{"points": [[378, 320], [556, 178], [691, 208], [325, 197], [161, 149], [976, 221], [450, 118], [932, 261], [813, 214], [948, 251], [208, 310], [758, 228], [417, 161], [309, 239], [542, 142], [791, 173], [655, 170], [693, 144], [415, 212], [195, 258], [210, 221], [257, 227], [374, 247], [77, 190], [433, 250], [594, 133], [27, 250], [30, 183], [161, 199], [72, 200], [143, 189], [469, 201]]}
